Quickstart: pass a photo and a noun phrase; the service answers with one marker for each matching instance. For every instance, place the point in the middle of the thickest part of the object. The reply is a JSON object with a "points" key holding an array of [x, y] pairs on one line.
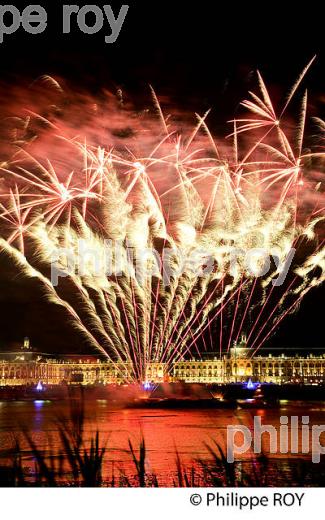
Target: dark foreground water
{"points": [[163, 430]]}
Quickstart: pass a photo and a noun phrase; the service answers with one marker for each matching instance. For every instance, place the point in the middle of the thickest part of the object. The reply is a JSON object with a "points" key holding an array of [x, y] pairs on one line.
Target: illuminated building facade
{"points": [[25, 367], [265, 369]]}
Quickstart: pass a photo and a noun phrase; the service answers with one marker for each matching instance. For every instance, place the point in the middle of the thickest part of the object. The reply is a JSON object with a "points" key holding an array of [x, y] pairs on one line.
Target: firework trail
{"points": [[198, 233]]}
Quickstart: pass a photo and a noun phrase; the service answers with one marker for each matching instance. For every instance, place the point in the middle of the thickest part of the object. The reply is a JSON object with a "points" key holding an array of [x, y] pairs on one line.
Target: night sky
{"points": [[199, 55]]}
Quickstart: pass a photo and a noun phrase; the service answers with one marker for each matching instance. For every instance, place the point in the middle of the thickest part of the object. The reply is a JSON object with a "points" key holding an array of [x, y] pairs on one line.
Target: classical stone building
{"points": [[265, 369], [24, 367]]}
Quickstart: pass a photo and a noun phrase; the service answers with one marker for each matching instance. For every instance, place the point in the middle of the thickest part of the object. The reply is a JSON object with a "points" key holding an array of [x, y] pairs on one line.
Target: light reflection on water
{"points": [[38, 403], [163, 430]]}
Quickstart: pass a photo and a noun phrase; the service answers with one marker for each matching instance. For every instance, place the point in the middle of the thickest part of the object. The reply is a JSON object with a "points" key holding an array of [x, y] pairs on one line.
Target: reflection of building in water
{"points": [[24, 366]]}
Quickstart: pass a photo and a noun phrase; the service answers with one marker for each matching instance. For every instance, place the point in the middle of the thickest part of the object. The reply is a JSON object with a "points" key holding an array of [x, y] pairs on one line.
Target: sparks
{"points": [[186, 193]]}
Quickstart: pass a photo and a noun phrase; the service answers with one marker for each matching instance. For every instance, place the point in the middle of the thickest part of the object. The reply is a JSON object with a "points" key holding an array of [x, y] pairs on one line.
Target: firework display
{"points": [[156, 242]]}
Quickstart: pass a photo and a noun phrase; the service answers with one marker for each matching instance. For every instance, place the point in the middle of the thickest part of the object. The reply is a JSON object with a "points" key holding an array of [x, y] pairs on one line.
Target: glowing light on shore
{"points": [[39, 387]]}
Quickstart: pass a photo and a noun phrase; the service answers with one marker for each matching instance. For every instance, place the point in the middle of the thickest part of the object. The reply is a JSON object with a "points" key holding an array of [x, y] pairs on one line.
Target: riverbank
{"points": [[172, 394]]}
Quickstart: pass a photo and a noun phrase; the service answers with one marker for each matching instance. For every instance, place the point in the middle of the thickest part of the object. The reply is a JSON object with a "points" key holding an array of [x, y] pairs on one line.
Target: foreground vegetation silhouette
{"points": [[83, 462]]}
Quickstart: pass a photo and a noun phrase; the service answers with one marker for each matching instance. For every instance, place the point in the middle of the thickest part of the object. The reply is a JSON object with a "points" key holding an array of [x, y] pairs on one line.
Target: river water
{"points": [[163, 430]]}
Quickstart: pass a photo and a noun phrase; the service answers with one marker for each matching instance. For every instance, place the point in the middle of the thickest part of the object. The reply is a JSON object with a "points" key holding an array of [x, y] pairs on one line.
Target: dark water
{"points": [[163, 430]]}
